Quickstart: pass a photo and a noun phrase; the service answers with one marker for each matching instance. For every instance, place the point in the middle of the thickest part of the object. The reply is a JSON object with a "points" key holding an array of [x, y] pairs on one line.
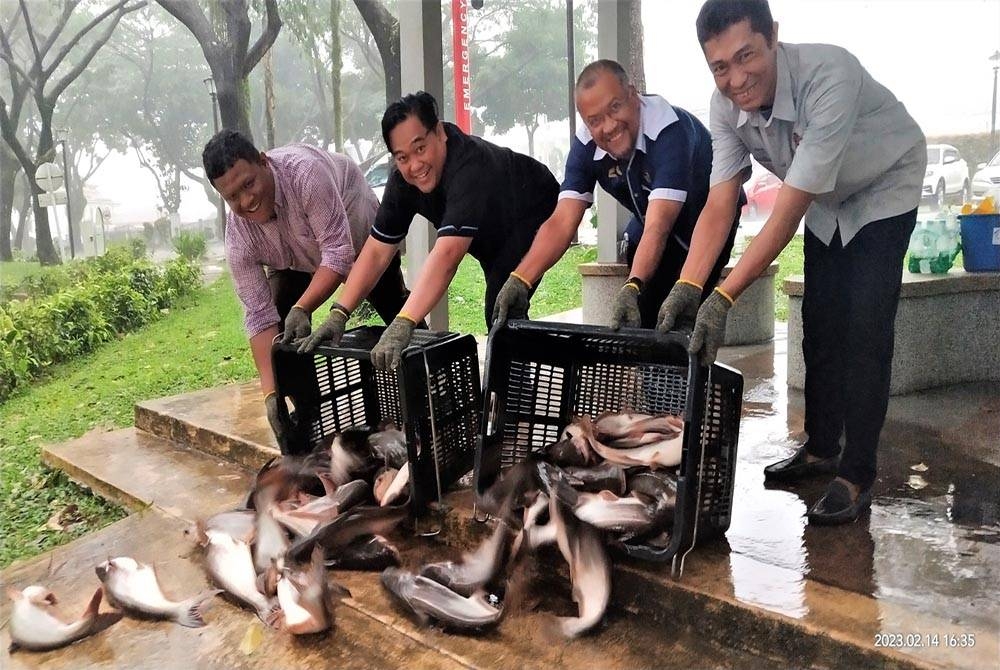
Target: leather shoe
{"points": [[836, 507], [796, 467]]}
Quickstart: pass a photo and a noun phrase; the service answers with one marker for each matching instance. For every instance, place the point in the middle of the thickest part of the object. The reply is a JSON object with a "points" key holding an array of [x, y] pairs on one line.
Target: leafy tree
{"points": [[48, 72], [158, 109], [224, 37], [518, 75]]}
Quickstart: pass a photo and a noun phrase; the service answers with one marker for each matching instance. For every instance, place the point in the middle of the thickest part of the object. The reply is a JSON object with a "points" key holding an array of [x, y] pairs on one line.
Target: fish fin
{"points": [[196, 608], [200, 532], [94, 605], [273, 616]]}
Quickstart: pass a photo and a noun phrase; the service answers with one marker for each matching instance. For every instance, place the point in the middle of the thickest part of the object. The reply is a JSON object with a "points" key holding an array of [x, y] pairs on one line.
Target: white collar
{"points": [[655, 114]]}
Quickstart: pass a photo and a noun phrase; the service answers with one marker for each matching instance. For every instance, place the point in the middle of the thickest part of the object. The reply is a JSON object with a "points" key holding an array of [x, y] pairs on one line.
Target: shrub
{"points": [[190, 245], [111, 295]]}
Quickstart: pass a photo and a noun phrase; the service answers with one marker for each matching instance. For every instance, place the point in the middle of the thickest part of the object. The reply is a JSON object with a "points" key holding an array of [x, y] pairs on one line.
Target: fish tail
{"points": [[575, 626], [271, 614], [193, 609]]}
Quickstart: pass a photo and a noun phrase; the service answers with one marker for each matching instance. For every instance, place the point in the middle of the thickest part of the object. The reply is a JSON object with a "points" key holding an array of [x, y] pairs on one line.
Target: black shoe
{"points": [[796, 467], [836, 507]]}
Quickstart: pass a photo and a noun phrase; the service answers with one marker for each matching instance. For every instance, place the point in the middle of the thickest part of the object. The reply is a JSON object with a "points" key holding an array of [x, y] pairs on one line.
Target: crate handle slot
{"points": [[434, 435], [491, 414], [679, 569]]}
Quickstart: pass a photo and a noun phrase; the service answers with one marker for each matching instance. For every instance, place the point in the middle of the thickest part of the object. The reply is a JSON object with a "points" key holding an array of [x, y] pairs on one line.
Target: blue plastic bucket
{"points": [[980, 242]]}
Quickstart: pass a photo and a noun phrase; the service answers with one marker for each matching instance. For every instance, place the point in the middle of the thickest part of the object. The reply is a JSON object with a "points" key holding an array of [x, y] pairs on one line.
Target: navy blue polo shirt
{"points": [[672, 161]]}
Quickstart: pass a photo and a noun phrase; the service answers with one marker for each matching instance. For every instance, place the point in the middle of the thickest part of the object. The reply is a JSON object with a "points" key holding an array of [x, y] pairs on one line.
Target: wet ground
{"points": [[932, 540]]}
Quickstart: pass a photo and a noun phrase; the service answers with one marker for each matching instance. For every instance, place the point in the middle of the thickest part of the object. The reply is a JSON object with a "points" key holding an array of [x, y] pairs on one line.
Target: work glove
{"points": [[512, 300], [329, 332], [625, 311], [680, 307], [297, 325], [278, 417], [389, 350], [710, 327]]}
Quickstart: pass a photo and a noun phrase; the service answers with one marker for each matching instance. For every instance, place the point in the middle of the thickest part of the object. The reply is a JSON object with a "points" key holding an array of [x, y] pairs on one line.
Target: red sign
{"points": [[463, 76]]}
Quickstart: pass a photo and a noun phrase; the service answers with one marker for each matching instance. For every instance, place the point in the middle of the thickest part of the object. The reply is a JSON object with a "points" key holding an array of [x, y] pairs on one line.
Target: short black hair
{"points": [[420, 104], [223, 150], [590, 73], [717, 15]]}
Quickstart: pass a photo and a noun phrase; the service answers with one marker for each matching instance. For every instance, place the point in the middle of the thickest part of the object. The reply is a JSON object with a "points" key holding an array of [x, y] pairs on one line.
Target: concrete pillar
{"points": [[422, 69], [612, 42]]}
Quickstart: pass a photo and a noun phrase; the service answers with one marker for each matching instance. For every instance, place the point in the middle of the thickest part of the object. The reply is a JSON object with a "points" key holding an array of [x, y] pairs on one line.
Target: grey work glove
{"points": [[389, 350], [278, 417], [297, 325], [710, 327], [329, 332], [513, 300], [625, 311], [680, 307]]}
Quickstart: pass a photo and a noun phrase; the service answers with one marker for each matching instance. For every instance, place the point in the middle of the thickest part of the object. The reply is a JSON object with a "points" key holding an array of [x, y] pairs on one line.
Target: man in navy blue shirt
{"points": [[653, 158]]}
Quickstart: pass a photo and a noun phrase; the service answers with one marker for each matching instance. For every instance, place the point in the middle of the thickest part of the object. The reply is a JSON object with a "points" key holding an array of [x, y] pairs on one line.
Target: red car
{"points": [[761, 194]]}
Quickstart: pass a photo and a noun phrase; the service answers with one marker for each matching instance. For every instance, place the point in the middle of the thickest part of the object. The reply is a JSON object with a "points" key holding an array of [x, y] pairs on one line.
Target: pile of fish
{"points": [[609, 479], [303, 515]]}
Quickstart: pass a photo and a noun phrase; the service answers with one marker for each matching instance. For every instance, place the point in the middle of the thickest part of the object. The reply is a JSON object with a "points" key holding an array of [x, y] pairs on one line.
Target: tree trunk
{"points": [[8, 177], [636, 67], [269, 99], [336, 66], [44, 248], [384, 28], [531, 138], [22, 212]]}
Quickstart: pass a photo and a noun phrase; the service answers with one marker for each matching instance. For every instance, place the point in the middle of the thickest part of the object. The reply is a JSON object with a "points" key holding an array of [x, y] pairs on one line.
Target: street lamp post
{"points": [[61, 134], [993, 117], [220, 205]]}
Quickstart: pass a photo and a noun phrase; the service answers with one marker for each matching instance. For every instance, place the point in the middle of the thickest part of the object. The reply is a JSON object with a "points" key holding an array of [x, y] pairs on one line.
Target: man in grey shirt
{"points": [[852, 161]]}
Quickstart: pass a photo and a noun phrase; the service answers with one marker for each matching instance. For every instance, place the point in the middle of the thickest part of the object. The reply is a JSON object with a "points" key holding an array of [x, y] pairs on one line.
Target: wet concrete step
{"points": [[359, 641], [371, 632], [838, 627], [784, 609], [226, 421], [136, 469]]}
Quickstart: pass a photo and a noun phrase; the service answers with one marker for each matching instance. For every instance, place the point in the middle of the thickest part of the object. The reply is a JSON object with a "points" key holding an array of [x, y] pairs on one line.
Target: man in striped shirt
{"points": [[298, 217]]}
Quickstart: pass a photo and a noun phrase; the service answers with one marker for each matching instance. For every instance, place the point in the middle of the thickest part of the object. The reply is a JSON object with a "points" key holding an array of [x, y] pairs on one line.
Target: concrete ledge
{"points": [[946, 330], [750, 321], [137, 470], [228, 422]]}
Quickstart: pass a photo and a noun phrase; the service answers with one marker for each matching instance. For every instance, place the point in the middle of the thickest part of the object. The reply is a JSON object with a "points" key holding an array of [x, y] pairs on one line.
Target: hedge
{"points": [[90, 303]]}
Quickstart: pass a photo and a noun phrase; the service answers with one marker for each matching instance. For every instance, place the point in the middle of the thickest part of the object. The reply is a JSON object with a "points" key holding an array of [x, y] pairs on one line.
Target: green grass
{"points": [[13, 272], [789, 263], [558, 291], [200, 344]]}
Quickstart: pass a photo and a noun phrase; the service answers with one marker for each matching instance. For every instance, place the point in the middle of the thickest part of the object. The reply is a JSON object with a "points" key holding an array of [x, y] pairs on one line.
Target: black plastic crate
{"points": [[539, 375], [435, 391]]}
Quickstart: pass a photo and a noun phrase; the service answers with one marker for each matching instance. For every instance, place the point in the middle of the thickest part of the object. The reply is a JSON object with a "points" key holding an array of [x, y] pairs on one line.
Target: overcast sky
{"points": [[933, 54]]}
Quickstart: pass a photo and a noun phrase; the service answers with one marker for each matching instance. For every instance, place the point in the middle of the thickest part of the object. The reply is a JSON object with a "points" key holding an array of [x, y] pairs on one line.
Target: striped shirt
{"points": [[323, 213]]}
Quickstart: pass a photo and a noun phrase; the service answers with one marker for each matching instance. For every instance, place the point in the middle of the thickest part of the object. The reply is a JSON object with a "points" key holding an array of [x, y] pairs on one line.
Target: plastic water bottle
{"points": [[923, 248]]}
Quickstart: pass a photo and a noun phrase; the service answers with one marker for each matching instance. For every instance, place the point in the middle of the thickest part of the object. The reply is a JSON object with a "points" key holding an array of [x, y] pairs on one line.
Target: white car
{"points": [[377, 176], [947, 174], [987, 180]]}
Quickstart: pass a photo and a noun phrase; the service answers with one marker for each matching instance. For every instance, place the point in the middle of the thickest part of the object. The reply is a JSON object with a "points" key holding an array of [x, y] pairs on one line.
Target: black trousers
{"points": [[656, 288], [497, 269], [387, 296], [848, 316]]}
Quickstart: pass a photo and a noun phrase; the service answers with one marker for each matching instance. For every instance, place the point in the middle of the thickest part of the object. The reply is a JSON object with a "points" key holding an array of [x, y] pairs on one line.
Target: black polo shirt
{"points": [[496, 196]]}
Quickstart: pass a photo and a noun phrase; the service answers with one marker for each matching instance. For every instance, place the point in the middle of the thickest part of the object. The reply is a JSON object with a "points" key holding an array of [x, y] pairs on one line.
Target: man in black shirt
{"points": [[482, 199]]}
